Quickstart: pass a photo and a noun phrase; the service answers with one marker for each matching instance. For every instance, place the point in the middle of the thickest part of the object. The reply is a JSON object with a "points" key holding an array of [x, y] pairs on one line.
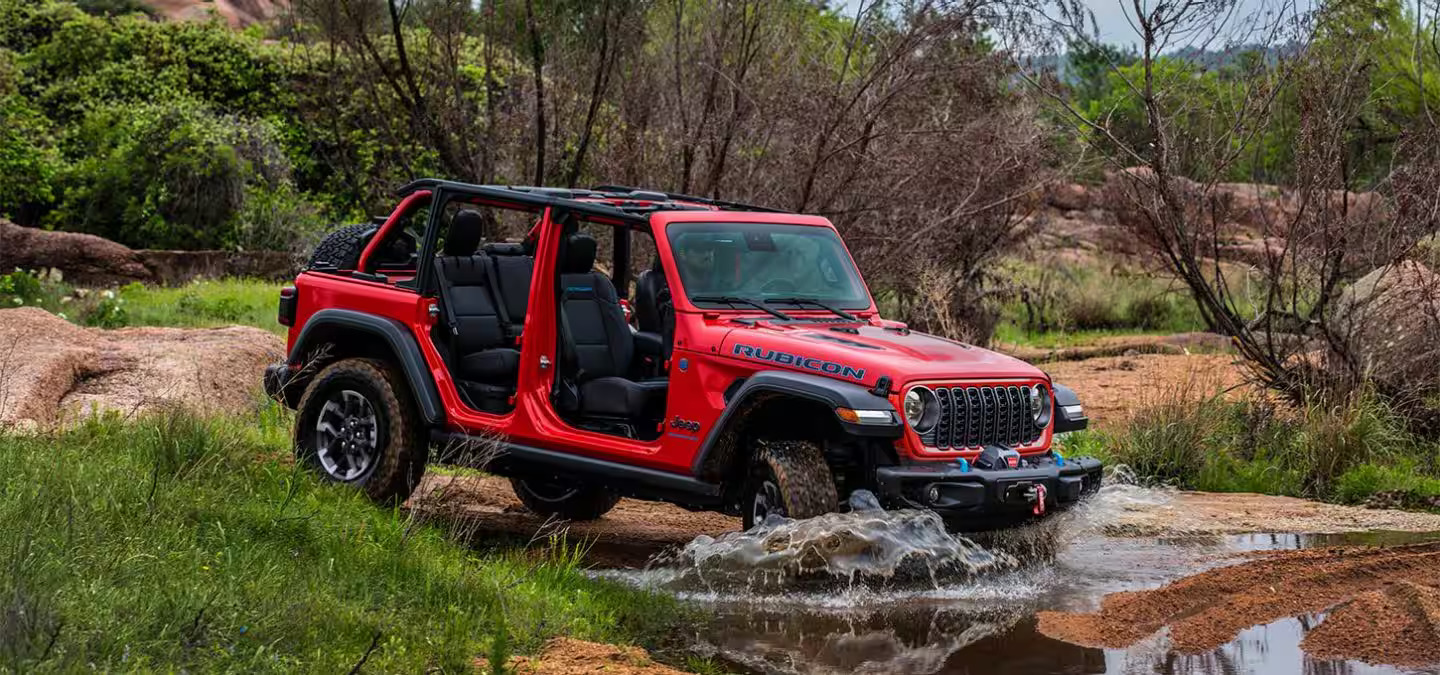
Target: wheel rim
{"points": [[549, 492], [767, 501], [346, 434]]}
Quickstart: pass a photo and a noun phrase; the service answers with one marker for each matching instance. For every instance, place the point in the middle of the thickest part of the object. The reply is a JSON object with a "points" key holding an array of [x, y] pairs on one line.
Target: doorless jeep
{"points": [[745, 370]]}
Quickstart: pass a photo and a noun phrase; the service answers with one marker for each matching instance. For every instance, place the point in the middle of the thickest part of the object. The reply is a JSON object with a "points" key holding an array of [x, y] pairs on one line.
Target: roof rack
{"points": [[622, 190], [624, 202]]}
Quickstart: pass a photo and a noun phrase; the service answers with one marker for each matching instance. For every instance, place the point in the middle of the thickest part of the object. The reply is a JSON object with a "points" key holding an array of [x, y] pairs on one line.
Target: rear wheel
{"points": [[563, 500], [358, 426], [791, 479]]}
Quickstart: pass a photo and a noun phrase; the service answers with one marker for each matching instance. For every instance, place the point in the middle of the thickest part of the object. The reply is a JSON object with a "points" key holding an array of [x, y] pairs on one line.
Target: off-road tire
{"points": [[342, 247], [798, 470], [582, 503], [402, 446]]}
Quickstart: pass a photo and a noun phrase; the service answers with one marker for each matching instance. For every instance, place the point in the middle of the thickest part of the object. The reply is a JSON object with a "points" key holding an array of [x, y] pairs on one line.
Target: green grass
{"points": [[1347, 451], [181, 543], [199, 304]]}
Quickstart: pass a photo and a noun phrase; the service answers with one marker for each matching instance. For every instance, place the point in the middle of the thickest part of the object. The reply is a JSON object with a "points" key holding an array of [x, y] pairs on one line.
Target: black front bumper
{"points": [[961, 493]]}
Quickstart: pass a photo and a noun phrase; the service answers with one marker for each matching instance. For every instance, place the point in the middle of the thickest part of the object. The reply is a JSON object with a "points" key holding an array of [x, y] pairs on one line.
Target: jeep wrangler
{"points": [[744, 369]]}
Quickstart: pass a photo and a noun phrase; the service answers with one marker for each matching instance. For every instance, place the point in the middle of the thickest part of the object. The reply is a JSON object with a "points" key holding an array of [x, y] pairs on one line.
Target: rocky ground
{"points": [[52, 371]]}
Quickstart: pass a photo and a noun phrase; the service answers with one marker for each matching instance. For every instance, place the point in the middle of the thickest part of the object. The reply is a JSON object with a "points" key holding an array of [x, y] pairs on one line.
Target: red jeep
{"points": [[754, 375]]}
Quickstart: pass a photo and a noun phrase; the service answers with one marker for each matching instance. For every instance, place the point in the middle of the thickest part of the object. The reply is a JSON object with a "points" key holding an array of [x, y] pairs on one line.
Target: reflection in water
{"points": [[871, 591]]}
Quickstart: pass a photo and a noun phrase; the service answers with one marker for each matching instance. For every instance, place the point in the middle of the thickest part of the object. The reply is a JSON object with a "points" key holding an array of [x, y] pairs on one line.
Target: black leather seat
{"points": [[600, 343], [654, 312], [483, 362]]}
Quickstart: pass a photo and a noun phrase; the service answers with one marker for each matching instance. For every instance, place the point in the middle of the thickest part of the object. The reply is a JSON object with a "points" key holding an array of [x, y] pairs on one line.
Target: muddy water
{"points": [[871, 591]]}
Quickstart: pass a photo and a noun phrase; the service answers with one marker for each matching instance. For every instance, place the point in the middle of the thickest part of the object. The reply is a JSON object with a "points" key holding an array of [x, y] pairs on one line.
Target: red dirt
{"points": [[568, 656], [1208, 609], [1113, 388]]}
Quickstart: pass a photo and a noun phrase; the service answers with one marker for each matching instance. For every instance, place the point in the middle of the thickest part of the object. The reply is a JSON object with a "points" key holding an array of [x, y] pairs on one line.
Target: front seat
{"points": [[600, 347]]}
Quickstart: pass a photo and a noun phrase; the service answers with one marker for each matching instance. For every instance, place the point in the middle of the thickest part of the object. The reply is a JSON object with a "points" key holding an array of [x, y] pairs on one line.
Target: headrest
{"points": [[504, 248], [579, 254], [464, 234]]}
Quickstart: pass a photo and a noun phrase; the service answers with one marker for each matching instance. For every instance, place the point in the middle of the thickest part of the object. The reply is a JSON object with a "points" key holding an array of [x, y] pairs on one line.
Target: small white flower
{"points": [[109, 294], [62, 315], [19, 301], [39, 301], [65, 300]]}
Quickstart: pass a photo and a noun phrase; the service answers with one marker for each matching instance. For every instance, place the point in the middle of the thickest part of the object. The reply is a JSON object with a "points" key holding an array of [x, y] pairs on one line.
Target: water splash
{"points": [[866, 545]]}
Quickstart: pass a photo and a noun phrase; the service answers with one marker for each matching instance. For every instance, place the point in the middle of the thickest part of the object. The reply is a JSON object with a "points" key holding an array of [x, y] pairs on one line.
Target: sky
{"points": [[1115, 29]]}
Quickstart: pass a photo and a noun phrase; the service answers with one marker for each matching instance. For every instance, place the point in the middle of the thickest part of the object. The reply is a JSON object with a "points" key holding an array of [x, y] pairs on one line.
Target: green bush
{"points": [[176, 175]]}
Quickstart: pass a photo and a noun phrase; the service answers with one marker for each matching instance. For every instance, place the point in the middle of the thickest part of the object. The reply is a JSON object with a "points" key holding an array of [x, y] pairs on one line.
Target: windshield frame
{"points": [[840, 256]]}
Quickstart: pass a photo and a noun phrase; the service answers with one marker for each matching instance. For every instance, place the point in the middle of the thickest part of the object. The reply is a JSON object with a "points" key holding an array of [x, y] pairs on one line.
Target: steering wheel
{"points": [[778, 286]]}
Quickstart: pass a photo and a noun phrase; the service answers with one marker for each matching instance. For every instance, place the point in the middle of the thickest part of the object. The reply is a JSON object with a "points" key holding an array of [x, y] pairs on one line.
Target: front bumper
{"points": [[960, 493]]}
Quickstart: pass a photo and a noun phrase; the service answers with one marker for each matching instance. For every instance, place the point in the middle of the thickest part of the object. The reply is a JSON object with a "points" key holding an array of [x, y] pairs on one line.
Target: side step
{"points": [[514, 460]]}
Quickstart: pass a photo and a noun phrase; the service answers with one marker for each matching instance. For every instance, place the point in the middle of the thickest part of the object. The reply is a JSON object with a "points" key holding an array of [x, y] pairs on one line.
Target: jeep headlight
{"points": [[1040, 405], [922, 411]]}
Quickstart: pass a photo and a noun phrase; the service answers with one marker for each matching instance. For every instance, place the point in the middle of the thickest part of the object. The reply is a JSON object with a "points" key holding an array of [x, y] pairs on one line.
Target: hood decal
{"points": [[799, 361]]}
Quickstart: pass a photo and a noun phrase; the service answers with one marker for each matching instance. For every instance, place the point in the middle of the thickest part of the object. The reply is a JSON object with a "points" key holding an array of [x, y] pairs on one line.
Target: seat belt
{"points": [[567, 391], [447, 300], [499, 295]]}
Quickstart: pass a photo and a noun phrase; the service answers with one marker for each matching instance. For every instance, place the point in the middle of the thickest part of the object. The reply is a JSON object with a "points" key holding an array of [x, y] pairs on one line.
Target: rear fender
{"points": [[332, 334], [806, 405]]}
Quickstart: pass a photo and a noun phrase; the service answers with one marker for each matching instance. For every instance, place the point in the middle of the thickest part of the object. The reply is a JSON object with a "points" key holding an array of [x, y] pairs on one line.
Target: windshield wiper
{"points": [[737, 300], [817, 303]]}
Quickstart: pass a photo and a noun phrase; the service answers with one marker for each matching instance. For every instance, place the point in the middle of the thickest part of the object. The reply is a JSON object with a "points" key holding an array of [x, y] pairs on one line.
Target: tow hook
{"points": [[1036, 495]]}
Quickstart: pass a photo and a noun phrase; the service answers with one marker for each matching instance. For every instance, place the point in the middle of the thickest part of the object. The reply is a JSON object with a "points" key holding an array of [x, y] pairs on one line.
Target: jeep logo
{"points": [[677, 422], [806, 362]]}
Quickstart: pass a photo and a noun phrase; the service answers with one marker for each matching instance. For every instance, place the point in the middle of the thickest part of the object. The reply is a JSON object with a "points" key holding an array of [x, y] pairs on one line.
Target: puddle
{"points": [[871, 591]]}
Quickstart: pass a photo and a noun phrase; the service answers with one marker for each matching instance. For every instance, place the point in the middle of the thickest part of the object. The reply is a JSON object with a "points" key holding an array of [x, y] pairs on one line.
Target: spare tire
{"points": [[341, 248]]}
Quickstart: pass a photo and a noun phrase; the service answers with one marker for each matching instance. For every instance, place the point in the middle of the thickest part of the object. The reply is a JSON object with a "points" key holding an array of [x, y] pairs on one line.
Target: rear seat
{"points": [[484, 360], [513, 272]]}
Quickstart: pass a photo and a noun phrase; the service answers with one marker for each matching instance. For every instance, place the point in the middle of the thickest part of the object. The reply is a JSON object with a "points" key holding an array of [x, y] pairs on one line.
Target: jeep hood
{"points": [[868, 353]]}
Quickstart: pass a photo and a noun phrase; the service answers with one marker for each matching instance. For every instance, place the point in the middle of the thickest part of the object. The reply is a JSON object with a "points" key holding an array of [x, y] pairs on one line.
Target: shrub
{"points": [[178, 176]]}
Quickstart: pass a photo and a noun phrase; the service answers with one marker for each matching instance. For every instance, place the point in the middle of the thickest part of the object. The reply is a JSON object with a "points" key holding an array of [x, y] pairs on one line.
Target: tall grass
{"points": [[1343, 450], [183, 543], [198, 304]]}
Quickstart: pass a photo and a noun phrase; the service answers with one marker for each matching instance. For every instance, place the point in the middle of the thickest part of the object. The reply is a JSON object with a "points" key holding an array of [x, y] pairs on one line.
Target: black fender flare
{"points": [[767, 384], [394, 334], [1069, 414]]}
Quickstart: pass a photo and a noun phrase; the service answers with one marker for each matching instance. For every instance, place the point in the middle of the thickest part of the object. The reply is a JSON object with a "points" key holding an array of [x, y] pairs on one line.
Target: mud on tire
{"points": [[570, 502], [792, 473], [393, 442], [342, 247]]}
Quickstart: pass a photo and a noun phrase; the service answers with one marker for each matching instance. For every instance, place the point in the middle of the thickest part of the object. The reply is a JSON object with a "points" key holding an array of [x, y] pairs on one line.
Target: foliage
{"points": [[178, 176], [176, 542], [1347, 450]]}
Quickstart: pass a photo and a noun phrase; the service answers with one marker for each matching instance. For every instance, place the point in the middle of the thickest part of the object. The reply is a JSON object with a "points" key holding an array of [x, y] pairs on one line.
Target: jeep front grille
{"points": [[973, 417]]}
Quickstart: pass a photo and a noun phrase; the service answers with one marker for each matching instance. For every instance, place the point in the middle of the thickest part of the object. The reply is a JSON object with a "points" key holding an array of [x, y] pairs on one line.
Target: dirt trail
{"points": [[52, 371], [1112, 388], [567, 656], [1208, 609], [1179, 514]]}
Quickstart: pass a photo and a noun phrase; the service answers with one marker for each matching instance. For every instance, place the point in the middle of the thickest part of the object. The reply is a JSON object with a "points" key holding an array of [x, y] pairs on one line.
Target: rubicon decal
{"points": [[800, 361]]}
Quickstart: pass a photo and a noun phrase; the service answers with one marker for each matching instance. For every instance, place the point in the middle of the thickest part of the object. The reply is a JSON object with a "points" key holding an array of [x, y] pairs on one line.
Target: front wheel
{"points": [[357, 426], [791, 479], [563, 500]]}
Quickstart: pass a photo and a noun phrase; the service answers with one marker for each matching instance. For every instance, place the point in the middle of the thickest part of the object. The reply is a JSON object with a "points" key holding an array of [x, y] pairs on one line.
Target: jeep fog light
{"points": [[922, 411]]}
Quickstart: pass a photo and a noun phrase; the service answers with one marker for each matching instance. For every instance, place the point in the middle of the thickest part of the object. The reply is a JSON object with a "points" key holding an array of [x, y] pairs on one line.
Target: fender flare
{"points": [[395, 335], [1069, 414], [766, 384]]}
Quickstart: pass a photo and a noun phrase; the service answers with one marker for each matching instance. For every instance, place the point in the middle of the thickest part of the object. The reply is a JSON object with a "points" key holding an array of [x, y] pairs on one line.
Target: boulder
{"points": [[1389, 323], [1067, 197], [84, 259]]}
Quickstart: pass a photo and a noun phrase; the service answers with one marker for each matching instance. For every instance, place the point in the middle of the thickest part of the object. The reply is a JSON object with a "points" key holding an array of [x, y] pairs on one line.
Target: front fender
{"points": [[767, 385]]}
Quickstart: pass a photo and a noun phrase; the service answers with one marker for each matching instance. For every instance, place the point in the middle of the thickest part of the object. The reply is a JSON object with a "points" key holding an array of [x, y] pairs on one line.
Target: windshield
{"points": [[765, 261]]}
